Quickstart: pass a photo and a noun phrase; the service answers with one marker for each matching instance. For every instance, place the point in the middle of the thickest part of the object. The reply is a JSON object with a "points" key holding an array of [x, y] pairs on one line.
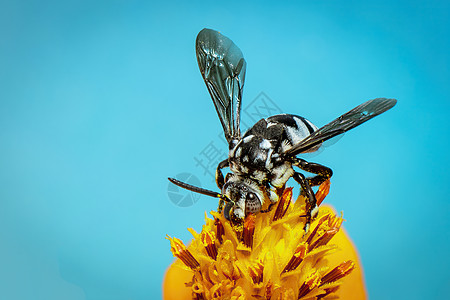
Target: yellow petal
{"points": [[173, 287], [352, 287]]}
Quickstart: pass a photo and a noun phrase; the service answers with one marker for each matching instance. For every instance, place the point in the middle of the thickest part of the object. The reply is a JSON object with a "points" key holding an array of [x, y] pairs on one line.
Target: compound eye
{"points": [[251, 196], [252, 203]]}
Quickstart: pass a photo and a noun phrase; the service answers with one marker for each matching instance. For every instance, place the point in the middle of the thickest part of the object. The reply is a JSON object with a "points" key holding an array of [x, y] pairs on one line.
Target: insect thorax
{"points": [[258, 154]]}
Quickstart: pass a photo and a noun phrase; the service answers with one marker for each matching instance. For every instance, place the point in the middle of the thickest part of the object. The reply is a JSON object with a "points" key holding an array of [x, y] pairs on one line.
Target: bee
{"points": [[263, 159]]}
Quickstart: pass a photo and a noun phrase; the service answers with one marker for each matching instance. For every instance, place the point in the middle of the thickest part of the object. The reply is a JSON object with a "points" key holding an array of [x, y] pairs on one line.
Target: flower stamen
{"points": [[220, 231], [297, 258], [283, 204], [256, 273], [310, 283], [325, 238], [249, 231], [323, 191], [179, 250], [208, 240], [337, 273], [319, 225]]}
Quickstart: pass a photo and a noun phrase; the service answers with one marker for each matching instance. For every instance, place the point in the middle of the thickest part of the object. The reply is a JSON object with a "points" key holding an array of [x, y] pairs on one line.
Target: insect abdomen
{"points": [[296, 128]]}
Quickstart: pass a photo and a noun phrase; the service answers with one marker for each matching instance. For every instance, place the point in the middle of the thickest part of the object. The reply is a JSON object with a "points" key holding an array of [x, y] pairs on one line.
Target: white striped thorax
{"points": [[258, 154]]}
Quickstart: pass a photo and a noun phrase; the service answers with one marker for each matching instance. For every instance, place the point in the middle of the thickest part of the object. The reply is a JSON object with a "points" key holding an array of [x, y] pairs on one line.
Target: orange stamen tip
{"points": [[287, 193], [325, 238], [297, 258], [323, 191], [301, 250], [283, 204], [249, 230], [179, 250], [208, 240], [256, 273], [340, 271], [337, 221], [220, 231], [310, 283], [176, 245], [319, 225]]}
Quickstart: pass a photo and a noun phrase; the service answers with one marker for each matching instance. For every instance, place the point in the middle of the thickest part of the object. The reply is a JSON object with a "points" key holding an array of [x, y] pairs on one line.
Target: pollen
{"points": [[268, 257]]}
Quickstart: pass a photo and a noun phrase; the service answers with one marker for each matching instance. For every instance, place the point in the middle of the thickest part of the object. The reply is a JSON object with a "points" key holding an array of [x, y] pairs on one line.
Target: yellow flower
{"points": [[269, 257]]}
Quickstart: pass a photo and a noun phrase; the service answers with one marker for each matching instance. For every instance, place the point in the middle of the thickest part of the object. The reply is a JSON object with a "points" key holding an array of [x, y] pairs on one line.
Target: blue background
{"points": [[101, 101]]}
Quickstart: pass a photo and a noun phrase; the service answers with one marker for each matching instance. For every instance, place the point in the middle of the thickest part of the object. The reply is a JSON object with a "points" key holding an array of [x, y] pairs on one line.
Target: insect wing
{"points": [[223, 68], [347, 121]]}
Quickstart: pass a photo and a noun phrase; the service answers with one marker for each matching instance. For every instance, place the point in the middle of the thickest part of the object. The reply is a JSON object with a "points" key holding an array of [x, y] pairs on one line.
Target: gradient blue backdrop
{"points": [[101, 101]]}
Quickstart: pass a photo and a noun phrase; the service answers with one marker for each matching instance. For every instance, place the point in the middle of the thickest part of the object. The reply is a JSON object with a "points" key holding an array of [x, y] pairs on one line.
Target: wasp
{"points": [[263, 159]]}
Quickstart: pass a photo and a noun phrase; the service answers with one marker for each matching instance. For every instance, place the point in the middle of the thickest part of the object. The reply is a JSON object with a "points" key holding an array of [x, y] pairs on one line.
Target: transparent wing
{"points": [[311, 153], [223, 68], [347, 121]]}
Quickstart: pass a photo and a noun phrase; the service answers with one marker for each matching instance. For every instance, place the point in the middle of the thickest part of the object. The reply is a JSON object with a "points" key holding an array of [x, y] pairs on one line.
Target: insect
{"points": [[263, 158]]}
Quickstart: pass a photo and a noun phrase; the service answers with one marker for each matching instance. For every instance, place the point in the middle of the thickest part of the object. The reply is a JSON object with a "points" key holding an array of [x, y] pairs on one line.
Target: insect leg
{"points": [[311, 206], [220, 181], [322, 173]]}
